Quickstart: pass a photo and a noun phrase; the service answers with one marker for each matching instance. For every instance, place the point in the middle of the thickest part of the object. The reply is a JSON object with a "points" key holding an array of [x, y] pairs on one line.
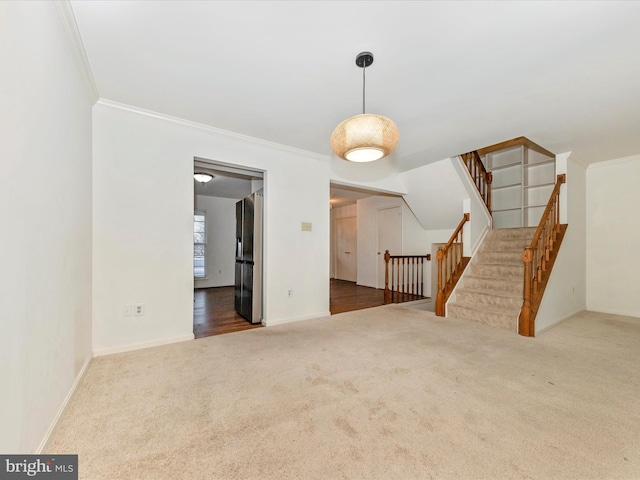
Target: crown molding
{"points": [[615, 161], [210, 129], [65, 12]]}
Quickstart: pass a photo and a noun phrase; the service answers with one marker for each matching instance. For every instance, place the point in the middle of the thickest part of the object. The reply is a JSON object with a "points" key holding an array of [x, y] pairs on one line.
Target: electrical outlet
{"points": [[127, 311], [138, 309], [290, 293]]}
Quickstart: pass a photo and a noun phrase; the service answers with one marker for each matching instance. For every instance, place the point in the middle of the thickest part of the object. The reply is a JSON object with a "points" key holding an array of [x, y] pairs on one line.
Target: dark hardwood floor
{"points": [[214, 312], [347, 296]]}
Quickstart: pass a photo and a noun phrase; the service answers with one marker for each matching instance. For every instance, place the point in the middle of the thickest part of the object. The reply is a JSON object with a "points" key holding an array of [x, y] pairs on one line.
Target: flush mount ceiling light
{"points": [[366, 137], [202, 177]]}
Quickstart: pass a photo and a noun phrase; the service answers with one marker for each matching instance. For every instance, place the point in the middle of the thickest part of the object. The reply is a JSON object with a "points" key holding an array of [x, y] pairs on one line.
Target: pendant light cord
{"points": [[363, 87]]}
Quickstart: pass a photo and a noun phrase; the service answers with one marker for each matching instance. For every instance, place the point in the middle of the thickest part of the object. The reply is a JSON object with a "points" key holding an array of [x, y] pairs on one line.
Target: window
{"points": [[199, 244]]}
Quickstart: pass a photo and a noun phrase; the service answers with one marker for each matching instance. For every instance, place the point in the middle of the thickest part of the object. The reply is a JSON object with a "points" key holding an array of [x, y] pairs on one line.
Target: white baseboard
{"points": [[612, 311], [555, 324], [100, 352], [281, 321], [62, 409]]}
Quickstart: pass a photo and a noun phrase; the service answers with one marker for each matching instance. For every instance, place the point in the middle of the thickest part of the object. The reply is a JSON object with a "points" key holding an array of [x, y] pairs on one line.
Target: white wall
{"points": [[45, 207], [613, 236], [143, 207], [435, 194], [413, 236], [220, 218], [380, 176], [565, 294], [437, 237]]}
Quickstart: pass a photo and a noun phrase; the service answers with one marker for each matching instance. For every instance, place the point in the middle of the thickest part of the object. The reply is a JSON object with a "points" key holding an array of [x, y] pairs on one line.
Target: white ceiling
{"points": [[454, 76], [227, 182]]}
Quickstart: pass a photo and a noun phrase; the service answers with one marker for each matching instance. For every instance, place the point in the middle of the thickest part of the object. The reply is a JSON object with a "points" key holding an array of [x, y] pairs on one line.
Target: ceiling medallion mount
{"points": [[366, 137], [364, 59]]}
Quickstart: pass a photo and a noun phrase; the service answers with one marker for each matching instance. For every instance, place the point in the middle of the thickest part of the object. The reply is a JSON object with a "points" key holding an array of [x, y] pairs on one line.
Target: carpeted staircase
{"points": [[491, 288]]}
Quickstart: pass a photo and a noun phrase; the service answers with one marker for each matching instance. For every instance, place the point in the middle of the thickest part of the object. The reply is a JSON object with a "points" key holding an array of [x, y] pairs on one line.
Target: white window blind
{"points": [[199, 244]]}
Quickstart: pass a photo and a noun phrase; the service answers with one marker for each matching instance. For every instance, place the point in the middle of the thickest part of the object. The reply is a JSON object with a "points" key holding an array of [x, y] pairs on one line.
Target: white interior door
{"points": [[389, 237], [346, 245]]}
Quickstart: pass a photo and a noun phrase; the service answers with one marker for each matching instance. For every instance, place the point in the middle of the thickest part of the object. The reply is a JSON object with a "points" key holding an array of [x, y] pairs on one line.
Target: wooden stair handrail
{"points": [[480, 176], [514, 142], [454, 235], [562, 178], [451, 264], [538, 258], [406, 277]]}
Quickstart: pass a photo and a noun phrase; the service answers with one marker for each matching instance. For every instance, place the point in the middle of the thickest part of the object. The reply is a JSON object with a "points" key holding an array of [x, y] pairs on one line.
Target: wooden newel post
{"points": [[440, 294], [525, 326], [387, 292]]}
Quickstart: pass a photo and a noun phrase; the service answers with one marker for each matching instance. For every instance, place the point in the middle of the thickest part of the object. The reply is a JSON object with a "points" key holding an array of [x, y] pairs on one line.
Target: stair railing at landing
{"points": [[539, 258], [479, 175], [403, 277], [451, 264]]}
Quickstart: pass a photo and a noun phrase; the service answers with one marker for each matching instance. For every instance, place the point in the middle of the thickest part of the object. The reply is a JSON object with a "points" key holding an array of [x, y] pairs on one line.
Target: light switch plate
{"points": [[306, 226]]}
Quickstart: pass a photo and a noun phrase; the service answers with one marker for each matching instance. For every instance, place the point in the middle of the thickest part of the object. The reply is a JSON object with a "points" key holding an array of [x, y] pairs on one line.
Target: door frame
{"points": [[254, 174]]}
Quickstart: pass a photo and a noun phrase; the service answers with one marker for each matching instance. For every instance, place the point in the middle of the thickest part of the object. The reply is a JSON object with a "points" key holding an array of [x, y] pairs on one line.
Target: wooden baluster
{"points": [[394, 267], [396, 286], [551, 235], [387, 292], [440, 292], [447, 267], [414, 282], [420, 274], [489, 182]]}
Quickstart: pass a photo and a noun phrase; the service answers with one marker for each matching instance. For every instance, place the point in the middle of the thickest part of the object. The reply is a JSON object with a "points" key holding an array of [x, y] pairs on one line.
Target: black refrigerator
{"points": [[248, 287]]}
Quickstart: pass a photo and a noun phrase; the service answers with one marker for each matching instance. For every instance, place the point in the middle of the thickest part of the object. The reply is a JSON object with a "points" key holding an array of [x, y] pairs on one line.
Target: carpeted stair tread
{"points": [[491, 292], [496, 270], [507, 244], [489, 299], [499, 256], [494, 317], [512, 233], [502, 285], [494, 277], [493, 309]]}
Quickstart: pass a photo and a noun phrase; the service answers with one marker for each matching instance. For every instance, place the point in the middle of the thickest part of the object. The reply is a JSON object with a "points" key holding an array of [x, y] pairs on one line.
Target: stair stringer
{"points": [[452, 296]]}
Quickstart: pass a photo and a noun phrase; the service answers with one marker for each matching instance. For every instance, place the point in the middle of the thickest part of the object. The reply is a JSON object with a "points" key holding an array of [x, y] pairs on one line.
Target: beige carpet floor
{"points": [[384, 393]]}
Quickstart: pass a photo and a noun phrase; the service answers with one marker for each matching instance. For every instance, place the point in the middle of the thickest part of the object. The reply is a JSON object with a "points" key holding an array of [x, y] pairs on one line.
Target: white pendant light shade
{"points": [[365, 138]]}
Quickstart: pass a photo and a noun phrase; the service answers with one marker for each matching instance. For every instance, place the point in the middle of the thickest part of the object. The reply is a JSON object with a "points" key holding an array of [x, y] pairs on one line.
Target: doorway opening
{"points": [[216, 288], [354, 246]]}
